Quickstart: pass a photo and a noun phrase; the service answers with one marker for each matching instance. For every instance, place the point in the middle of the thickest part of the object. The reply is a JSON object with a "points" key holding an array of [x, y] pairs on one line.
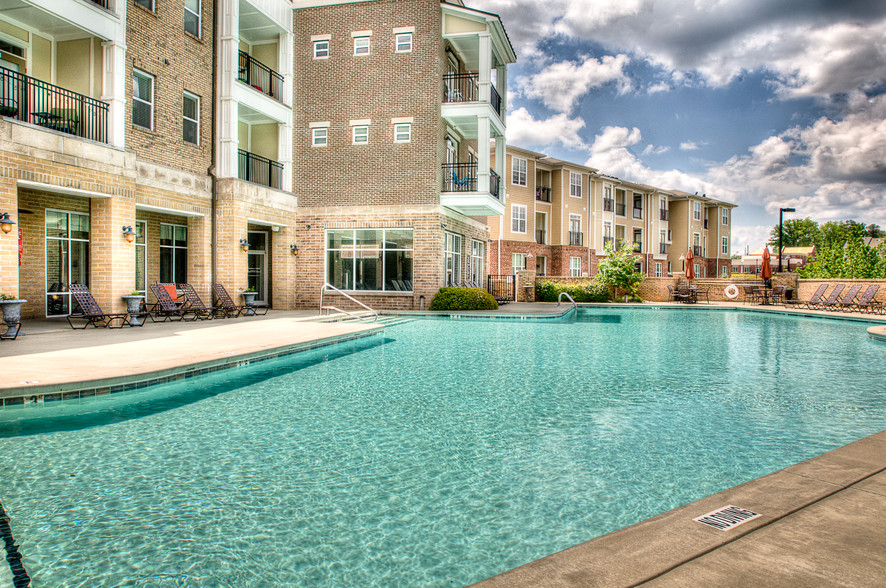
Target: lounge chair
{"points": [[848, 299], [831, 299], [194, 303], [867, 303], [167, 308], [92, 313], [224, 300], [816, 297]]}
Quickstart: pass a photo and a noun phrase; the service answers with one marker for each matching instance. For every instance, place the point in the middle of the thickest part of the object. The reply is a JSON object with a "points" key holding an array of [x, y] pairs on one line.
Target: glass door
{"points": [[141, 258], [257, 265], [67, 259]]}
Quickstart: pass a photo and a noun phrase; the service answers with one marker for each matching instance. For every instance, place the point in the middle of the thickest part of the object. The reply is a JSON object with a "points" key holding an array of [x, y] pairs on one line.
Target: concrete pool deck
{"points": [[820, 518]]}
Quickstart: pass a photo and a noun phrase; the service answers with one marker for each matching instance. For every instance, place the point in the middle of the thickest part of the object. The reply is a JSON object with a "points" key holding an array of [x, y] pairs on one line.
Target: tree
{"points": [[619, 269], [796, 233], [846, 258], [874, 231]]}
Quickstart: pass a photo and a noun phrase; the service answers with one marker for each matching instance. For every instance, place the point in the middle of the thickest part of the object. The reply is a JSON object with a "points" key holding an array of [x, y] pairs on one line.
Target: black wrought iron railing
{"points": [[608, 204], [663, 248], [607, 240], [35, 101], [638, 213], [543, 193], [465, 87], [260, 170], [502, 288], [494, 183], [495, 99], [617, 244], [540, 236], [663, 214], [705, 223], [620, 209], [261, 77], [462, 177], [637, 247], [576, 239], [696, 250], [106, 4]]}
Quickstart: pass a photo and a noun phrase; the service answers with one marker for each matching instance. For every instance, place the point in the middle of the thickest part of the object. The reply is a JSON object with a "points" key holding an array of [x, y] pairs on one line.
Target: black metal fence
{"points": [[664, 248], [576, 239], [696, 250], [502, 288], [35, 101], [638, 213], [620, 209], [608, 204], [495, 99], [540, 236], [543, 193], [465, 87], [462, 177], [663, 214], [260, 76], [260, 170]]}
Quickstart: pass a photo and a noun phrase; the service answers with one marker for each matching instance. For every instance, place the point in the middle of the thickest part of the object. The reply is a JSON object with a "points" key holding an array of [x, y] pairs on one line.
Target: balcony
{"points": [[620, 209], [663, 248], [696, 250], [706, 224], [31, 100], [637, 248], [254, 73], [461, 190], [608, 204], [259, 170], [663, 214], [543, 193], [540, 237], [638, 213], [576, 239], [465, 87]]}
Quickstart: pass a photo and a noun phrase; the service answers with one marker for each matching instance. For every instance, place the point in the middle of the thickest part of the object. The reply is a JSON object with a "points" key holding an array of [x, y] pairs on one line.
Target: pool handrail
{"points": [[349, 297], [566, 294]]}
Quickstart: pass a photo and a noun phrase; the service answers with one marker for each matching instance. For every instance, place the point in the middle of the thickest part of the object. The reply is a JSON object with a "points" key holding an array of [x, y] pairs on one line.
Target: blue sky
{"points": [[764, 103]]}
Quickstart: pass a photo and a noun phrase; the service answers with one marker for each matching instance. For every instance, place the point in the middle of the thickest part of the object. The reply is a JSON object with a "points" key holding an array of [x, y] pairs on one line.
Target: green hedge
{"points": [[547, 291], [463, 299]]}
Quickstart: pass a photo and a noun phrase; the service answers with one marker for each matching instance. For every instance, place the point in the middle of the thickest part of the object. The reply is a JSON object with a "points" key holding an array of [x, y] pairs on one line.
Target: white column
{"points": [[284, 154], [500, 149], [501, 79], [227, 108], [284, 65], [114, 90], [483, 147], [484, 77]]}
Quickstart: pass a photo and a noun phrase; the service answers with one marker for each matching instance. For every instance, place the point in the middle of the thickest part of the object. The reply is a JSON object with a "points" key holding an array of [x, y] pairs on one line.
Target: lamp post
{"points": [[781, 212]]}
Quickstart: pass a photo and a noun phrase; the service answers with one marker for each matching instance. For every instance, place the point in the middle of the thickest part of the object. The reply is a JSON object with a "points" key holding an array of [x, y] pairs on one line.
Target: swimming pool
{"points": [[440, 453]]}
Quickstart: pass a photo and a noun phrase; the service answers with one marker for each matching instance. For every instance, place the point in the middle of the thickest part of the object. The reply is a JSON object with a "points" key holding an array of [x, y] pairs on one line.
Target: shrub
{"points": [[594, 291], [463, 299]]}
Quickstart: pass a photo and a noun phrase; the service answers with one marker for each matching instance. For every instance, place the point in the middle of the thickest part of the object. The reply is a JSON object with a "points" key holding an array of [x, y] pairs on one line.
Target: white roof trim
{"points": [[61, 190], [165, 210], [265, 223]]}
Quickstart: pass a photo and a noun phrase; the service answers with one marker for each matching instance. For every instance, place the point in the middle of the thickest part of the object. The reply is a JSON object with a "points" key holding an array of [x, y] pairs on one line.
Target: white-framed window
{"points": [[192, 17], [663, 236], [319, 137], [575, 267], [697, 270], [518, 262], [518, 171], [452, 253], [403, 133], [478, 256], [141, 257], [403, 43], [657, 269], [360, 134], [142, 99], [725, 216], [370, 259], [575, 184], [321, 49], [696, 210], [724, 246], [518, 218], [361, 45], [191, 118], [725, 273], [173, 253], [67, 258], [149, 4]]}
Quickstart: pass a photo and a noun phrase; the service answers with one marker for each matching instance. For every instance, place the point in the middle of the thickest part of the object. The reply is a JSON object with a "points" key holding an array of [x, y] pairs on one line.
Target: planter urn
{"points": [[249, 301], [134, 307]]}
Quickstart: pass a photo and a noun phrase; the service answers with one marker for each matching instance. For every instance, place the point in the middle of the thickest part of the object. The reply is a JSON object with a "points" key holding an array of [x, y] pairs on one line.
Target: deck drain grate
{"points": [[727, 517]]}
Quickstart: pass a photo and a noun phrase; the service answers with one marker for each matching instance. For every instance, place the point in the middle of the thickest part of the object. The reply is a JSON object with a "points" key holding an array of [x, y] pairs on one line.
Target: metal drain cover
{"points": [[727, 517]]}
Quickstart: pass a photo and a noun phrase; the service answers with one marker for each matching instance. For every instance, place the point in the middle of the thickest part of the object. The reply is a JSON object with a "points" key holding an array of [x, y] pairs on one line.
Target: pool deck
{"points": [[821, 519]]}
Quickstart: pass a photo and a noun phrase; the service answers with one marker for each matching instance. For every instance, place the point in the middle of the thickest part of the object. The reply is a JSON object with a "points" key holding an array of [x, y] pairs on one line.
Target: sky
{"points": [[763, 103]]}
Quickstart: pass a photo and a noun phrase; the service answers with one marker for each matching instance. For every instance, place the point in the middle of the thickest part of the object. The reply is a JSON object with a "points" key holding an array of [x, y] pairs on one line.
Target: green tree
{"points": [[874, 231], [846, 258], [619, 269], [798, 232]]}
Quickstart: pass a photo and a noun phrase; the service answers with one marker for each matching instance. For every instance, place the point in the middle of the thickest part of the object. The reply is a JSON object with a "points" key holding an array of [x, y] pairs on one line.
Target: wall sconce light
{"points": [[128, 233], [293, 249], [6, 222], [244, 244]]}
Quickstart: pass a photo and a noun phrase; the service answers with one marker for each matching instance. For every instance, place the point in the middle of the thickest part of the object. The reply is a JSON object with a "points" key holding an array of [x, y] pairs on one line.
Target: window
{"points": [[403, 43], [518, 171], [638, 240], [360, 134], [697, 270], [319, 137], [724, 249], [478, 256], [518, 218], [173, 253], [361, 45], [452, 253], [192, 17], [142, 99], [575, 267], [141, 257], [638, 206], [575, 184], [67, 258], [321, 49], [369, 259], [662, 236], [149, 4], [725, 220], [518, 262], [696, 210], [403, 133], [725, 273], [657, 269], [191, 118]]}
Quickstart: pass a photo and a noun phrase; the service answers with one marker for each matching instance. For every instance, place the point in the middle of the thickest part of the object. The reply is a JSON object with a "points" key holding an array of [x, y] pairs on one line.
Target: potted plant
{"points": [[249, 299], [11, 307], [134, 302]]}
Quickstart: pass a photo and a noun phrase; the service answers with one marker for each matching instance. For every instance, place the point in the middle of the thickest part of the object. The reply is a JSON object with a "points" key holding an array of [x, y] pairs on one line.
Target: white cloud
{"points": [[560, 85], [525, 130], [659, 87], [655, 149], [689, 146]]}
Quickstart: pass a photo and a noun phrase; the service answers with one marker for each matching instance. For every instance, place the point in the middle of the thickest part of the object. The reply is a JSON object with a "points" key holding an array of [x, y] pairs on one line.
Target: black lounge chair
{"points": [[224, 300], [867, 303], [92, 313], [194, 303], [832, 298], [816, 297], [167, 308], [848, 299]]}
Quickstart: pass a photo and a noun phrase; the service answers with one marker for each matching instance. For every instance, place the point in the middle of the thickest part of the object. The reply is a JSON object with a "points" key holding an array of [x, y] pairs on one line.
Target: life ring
{"points": [[731, 291]]}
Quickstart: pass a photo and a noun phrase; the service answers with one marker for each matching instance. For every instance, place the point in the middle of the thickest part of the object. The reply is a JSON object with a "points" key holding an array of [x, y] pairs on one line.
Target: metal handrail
{"points": [[349, 297], [566, 294]]}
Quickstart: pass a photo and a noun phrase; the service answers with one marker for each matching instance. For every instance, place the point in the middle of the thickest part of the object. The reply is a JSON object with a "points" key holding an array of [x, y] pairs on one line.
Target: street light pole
{"points": [[781, 212]]}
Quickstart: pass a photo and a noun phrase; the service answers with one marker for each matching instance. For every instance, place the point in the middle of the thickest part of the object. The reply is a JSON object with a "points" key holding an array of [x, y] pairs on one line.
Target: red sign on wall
{"points": [[19, 246]]}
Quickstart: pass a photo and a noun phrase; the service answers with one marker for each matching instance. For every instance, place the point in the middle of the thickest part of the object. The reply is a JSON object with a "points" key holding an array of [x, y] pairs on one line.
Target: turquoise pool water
{"points": [[436, 455]]}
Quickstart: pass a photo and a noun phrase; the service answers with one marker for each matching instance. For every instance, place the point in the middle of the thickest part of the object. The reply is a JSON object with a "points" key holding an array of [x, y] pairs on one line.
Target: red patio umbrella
{"points": [[690, 267], [766, 269]]}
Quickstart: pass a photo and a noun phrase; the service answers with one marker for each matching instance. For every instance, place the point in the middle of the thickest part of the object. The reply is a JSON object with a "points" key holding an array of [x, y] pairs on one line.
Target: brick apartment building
{"points": [[559, 216]]}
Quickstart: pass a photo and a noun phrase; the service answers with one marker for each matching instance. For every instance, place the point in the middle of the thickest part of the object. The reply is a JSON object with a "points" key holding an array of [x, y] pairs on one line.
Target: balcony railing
{"points": [[608, 204], [638, 213], [543, 193], [663, 214], [608, 240], [576, 239], [637, 248], [620, 209], [663, 248], [261, 77], [696, 250], [462, 177], [35, 101], [540, 236], [705, 224], [495, 99], [106, 4], [464, 87], [260, 170]]}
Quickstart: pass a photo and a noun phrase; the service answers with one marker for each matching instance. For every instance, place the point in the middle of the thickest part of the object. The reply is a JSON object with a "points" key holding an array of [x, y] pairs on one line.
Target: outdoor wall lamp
{"points": [[293, 249], [244, 244], [128, 233], [6, 222]]}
